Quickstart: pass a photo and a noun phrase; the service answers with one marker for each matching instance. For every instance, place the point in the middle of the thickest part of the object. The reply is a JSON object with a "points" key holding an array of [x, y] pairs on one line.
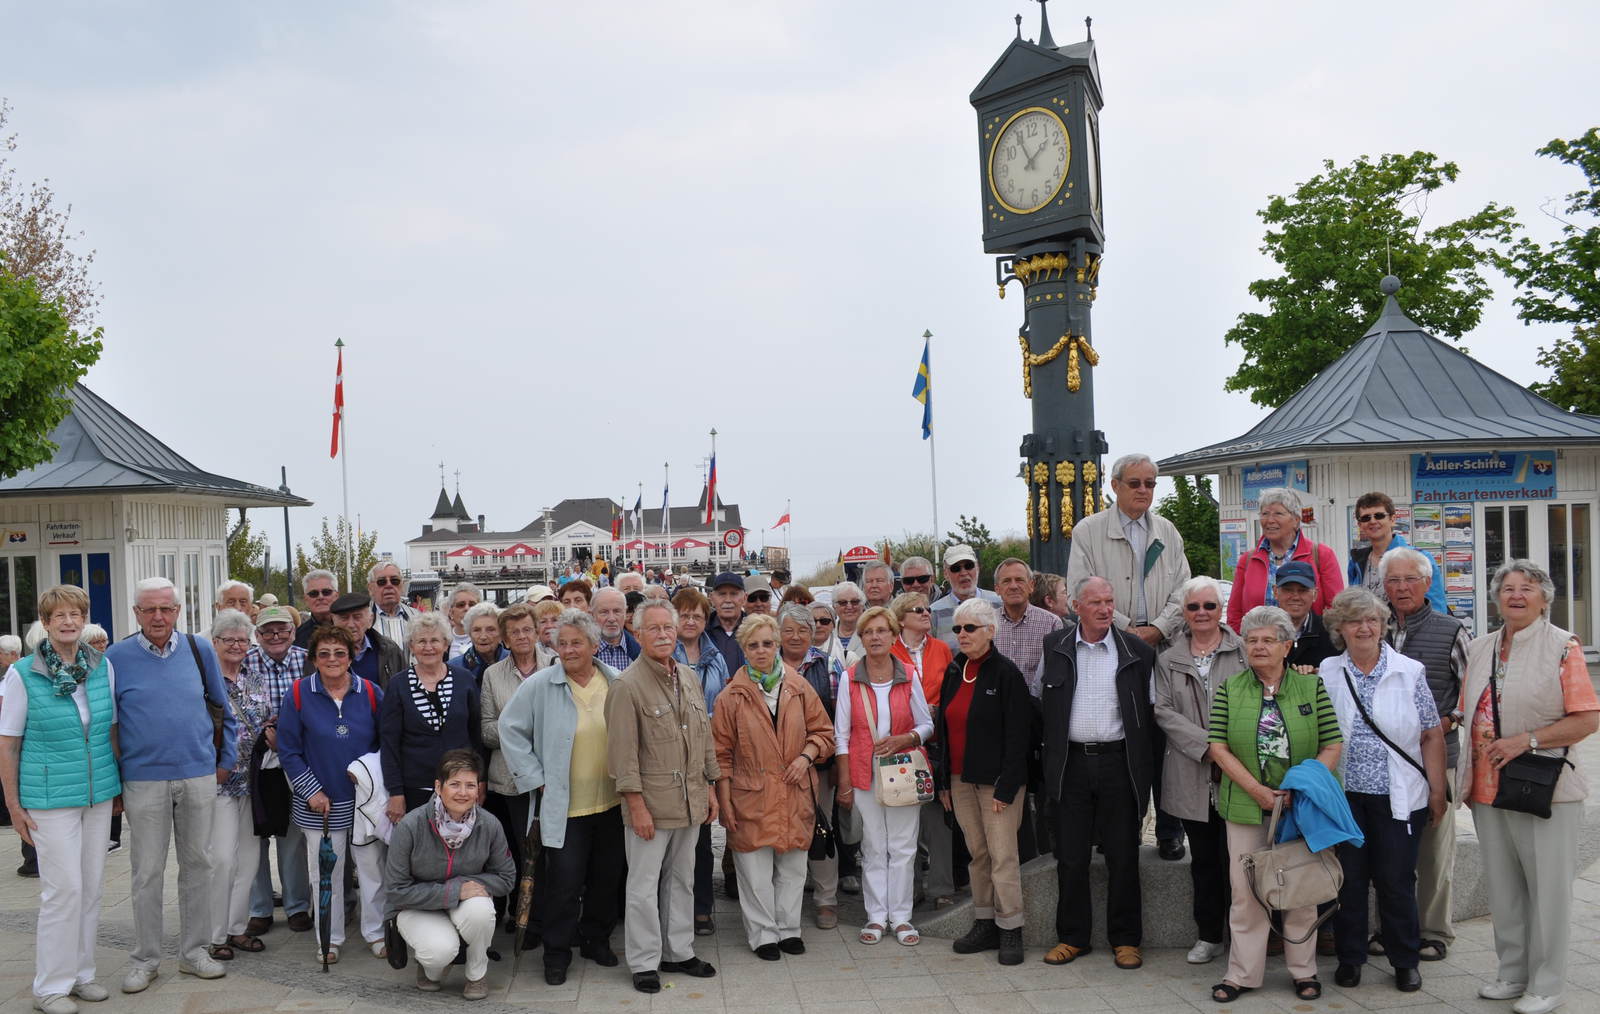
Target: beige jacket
{"points": [[500, 681], [658, 742], [1183, 710], [1101, 549]]}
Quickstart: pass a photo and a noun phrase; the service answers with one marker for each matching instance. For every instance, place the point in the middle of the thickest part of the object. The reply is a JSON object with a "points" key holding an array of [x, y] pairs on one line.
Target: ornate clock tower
{"points": [[1039, 169]]}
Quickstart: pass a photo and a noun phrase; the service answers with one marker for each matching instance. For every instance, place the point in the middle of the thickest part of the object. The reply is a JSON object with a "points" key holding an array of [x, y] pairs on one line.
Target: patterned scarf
{"points": [[452, 832], [767, 680], [1273, 563], [67, 678]]}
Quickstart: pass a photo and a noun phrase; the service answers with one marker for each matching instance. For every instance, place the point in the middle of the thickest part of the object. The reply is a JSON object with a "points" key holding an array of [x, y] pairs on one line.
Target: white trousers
{"points": [[72, 859], [772, 887], [435, 937], [235, 853], [369, 871], [660, 908], [1529, 864], [888, 858]]}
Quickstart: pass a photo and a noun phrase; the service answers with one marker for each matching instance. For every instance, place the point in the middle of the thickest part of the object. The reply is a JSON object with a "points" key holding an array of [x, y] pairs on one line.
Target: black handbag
{"points": [[822, 843], [394, 943], [1528, 782]]}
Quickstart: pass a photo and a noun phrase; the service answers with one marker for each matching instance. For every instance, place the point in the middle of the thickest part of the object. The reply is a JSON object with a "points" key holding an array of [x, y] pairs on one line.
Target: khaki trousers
{"points": [[992, 841], [159, 813], [1247, 920], [772, 888], [1436, 866], [1529, 865], [660, 907]]}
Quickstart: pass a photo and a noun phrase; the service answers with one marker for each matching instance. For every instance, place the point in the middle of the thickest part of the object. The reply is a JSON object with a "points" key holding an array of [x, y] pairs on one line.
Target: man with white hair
{"points": [[236, 595], [276, 662], [617, 647], [877, 583], [320, 588], [171, 767], [391, 617], [627, 581]]}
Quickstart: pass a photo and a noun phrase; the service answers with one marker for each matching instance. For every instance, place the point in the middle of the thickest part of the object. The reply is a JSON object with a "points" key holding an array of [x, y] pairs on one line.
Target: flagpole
{"points": [[344, 472], [711, 501], [933, 464], [666, 510], [638, 522]]}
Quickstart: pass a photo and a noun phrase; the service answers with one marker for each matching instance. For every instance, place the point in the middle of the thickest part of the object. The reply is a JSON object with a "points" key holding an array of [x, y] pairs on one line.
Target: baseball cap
{"points": [[538, 593], [1297, 572], [349, 602], [757, 582], [727, 577], [274, 614], [958, 552]]}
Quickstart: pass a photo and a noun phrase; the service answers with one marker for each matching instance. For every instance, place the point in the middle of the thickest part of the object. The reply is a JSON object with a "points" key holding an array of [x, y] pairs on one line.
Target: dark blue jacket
{"points": [[314, 752], [732, 654], [411, 747]]}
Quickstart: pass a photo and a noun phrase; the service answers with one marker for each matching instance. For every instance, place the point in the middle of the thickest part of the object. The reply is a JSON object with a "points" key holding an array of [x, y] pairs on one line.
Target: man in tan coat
{"points": [[659, 750]]}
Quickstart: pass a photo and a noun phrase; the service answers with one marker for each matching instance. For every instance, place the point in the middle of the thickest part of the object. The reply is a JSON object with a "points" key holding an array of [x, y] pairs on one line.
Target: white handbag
{"points": [[899, 779]]}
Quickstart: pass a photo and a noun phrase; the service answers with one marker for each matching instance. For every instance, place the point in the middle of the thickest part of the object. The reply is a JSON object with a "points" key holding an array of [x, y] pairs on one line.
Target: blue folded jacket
{"points": [[1320, 812]]}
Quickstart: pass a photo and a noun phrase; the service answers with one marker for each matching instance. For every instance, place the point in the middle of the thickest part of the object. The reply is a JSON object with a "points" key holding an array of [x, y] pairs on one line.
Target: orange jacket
{"points": [[936, 659], [754, 754]]}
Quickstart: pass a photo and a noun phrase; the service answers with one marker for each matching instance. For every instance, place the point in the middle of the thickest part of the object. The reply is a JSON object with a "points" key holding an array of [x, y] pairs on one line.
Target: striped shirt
{"points": [[276, 677], [1023, 641], [433, 707], [396, 626]]}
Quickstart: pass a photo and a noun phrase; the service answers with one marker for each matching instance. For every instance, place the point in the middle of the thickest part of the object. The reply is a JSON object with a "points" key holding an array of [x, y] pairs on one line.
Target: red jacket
{"points": [[1250, 579], [935, 660]]}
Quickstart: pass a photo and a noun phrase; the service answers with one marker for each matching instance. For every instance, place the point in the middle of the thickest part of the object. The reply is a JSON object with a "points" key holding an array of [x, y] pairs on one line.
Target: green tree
{"points": [[1560, 283], [41, 356], [328, 553], [1193, 511], [1334, 238], [247, 551], [923, 544]]}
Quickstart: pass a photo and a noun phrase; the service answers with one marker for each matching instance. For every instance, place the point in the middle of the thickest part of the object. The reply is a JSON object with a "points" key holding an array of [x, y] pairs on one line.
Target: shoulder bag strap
{"points": [[194, 650], [1365, 717], [870, 710], [1494, 698]]}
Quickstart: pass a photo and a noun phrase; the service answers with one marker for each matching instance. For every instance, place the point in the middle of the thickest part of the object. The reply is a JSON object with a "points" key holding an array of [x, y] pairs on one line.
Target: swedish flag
{"points": [[922, 390]]}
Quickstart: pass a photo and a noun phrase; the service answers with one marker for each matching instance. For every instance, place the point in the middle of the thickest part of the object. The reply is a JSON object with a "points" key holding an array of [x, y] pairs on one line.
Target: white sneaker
{"points": [[1533, 1003], [138, 979], [55, 1003], [1500, 989], [91, 991], [206, 968], [1205, 951]]}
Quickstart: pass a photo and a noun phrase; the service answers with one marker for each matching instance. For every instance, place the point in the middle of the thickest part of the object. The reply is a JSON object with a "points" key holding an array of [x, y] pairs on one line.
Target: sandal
{"points": [[1229, 992], [871, 933], [1432, 950], [1375, 945], [1308, 989], [907, 935], [221, 952], [247, 943]]}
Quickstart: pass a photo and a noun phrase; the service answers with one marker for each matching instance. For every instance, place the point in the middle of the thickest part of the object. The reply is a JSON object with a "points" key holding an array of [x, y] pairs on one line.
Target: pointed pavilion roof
{"points": [[1398, 387], [442, 509], [460, 509]]}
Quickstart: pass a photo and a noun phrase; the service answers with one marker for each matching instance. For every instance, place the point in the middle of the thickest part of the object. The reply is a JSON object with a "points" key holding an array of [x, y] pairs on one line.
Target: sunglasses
{"points": [[850, 602], [340, 653], [824, 621], [919, 610], [967, 628], [1195, 607], [1375, 516], [918, 579], [317, 593], [387, 581], [1138, 483], [960, 565], [759, 597]]}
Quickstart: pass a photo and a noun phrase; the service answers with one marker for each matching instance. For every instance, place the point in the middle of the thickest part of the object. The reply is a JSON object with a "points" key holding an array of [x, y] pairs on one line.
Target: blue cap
{"points": [[1297, 572], [727, 577]]}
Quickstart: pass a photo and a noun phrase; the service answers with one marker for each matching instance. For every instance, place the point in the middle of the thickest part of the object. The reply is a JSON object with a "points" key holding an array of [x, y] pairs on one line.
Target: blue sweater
{"points": [[164, 730]]}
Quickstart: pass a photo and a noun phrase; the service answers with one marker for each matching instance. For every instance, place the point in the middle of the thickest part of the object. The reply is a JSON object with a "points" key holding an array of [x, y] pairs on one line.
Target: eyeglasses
{"points": [[1195, 607], [1413, 579], [1138, 483], [960, 565], [849, 602], [394, 581], [275, 630], [919, 610], [1374, 516], [824, 621], [163, 610], [234, 642], [759, 597], [967, 628], [917, 579], [333, 653], [317, 593]]}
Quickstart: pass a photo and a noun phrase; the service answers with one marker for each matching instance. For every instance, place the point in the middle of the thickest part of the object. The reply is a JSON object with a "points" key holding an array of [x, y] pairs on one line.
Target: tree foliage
{"points": [[36, 239], [41, 356], [1334, 237], [1193, 511], [247, 551], [1560, 283], [328, 553]]}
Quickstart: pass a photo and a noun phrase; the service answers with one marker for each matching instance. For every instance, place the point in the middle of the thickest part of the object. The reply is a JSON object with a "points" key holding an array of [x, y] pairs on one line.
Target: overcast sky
{"points": [[562, 242]]}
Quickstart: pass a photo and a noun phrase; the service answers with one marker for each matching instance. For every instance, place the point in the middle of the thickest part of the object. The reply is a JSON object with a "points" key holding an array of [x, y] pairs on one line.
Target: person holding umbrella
{"points": [[326, 721], [448, 861]]}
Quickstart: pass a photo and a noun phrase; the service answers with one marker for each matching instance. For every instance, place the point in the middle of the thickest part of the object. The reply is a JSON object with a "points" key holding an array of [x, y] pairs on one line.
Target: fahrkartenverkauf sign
{"points": [[1491, 476]]}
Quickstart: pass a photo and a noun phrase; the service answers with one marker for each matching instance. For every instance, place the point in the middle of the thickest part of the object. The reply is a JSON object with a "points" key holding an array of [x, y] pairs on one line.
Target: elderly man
{"points": [[916, 575], [665, 783], [658, 592], [727, 598], [320, 588], [877, 583], [1297, 593], [1439, 641], [171, 766], [377, 657], [277, 662], [237, 595], [630, 581], [961, 570], [758, 597], [1097, 767], [1023, 625], [390, 614], [617, 647]]}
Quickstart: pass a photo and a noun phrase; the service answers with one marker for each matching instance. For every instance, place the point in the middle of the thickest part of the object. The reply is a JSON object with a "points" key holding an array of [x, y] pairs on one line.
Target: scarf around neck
{"points": [[452, 832], [768, 680], [67, 678]]}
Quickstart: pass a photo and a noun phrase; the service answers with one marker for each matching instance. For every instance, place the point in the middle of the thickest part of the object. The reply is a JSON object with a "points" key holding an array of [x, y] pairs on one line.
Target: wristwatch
{"points": [[1533, 741]]}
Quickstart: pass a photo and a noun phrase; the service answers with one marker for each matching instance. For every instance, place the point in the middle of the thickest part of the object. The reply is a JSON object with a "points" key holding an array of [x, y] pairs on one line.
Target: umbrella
{"points": [[530, 853], [326, 861]]}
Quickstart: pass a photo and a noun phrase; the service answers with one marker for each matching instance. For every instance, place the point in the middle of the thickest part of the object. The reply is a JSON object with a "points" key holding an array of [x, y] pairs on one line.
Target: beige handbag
{"points": [[899, 779], [1289, 875]]}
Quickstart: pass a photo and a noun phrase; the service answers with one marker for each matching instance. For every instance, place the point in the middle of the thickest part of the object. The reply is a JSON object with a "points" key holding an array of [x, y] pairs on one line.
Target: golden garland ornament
{"points": [[1066, 475], [1031, 360], [1041, 475], [1074, 377], [1091, 473]]}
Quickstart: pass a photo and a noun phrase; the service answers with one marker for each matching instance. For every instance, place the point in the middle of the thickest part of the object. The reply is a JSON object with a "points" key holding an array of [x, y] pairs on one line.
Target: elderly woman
{"points": [[484, 646], [985, 723], [1264, 721], [515, 627], [882, 710], [927, 658], [576, 594], [95, 636], [462, 598], [58, 762], [1255, 578], [545, 614], [1527, 691], [1392, 767], [796, 594], [698, 651], [447, 862], [1187, 676], [235, 850], [426, 711], [327, 721], [796, 631], [848, 602], [770, 730], [552, 736]]}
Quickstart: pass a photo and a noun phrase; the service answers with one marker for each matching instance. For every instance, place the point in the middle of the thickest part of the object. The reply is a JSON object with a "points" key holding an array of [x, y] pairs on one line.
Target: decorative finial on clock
{"points": [[1045, 38], [1088, 28], [1019, 26]]}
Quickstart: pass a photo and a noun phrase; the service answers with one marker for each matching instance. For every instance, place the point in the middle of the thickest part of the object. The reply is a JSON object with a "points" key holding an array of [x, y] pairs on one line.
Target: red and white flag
{"points": [[338, 405], [781, 521]]}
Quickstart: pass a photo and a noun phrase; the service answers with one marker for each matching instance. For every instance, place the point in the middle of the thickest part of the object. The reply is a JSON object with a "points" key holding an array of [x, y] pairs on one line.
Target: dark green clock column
{"points": [[1042, 215]]}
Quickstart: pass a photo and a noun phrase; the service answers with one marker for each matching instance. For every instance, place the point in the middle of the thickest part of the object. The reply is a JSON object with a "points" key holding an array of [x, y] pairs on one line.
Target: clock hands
{"points": [[1024, 146]]}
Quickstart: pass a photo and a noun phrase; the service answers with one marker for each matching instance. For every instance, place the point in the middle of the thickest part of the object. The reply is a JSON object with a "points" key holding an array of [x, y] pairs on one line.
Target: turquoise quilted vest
{"points": [[62, 765]]}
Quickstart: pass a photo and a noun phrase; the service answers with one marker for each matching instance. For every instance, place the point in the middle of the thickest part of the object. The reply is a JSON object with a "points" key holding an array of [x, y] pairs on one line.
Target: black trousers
{"points": [[703, 899], [1209, 872], [1098, 804], [517, 815], [1388, 862], [498, 806], [585, 877]]}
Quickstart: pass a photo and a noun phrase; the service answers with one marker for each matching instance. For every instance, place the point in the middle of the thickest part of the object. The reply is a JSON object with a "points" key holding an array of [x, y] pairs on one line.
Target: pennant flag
{"points": [[638, 514], [841, 557], [781, 521], [338, 403], [711, 491], [616, 521], [922, 390], [665, 517]]}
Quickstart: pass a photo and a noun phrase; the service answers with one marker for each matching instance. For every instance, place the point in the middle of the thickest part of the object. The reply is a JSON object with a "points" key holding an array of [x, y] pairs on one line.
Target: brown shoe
{"points": [[300, 922], [476, 989], [827, 917], [424, 983], [258, 925], [1128, 958], [1064, 954]]}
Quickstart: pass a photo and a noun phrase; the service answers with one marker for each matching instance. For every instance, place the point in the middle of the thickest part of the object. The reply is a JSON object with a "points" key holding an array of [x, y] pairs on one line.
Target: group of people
{"points": [[591, 736]]}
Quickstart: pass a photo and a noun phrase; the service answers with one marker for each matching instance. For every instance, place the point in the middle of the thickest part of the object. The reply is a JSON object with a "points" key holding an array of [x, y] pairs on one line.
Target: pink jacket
{"points": [[1250, 579]]}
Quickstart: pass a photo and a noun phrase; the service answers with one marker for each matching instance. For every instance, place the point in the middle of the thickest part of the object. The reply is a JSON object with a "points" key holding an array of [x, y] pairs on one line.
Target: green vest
{"points": [[1297, 699], [63, 765]]}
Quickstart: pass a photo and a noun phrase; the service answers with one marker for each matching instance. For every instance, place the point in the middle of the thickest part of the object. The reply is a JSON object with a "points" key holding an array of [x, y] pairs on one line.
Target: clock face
{"points": [[1029, 160]]}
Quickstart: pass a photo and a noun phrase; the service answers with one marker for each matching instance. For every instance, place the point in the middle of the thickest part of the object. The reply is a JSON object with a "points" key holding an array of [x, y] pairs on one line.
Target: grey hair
{"points": [[916, 561], [1012, 561], [1288, 499], [584, 623], [1200, 583], [12, 644], [816, 604], [478, 611], [844, 586], [876, 565], [1083, 582], [1533, 572], [229, 621], [799, 614], [976, 610], [1405, 554], [594, 603], [649, 604], [154, 584], [372, 575], [468, 587], [1268, 618], [429, 621], [1127, 461], [34, 637], [630, 573], [226, 586], [1349, 605], [317, 575], [94, 632]]}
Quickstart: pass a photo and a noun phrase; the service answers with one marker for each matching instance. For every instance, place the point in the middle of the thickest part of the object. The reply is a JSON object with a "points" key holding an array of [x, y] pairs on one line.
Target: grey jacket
{"points": [[1183, 710], [1100, 548], [423, 875]]}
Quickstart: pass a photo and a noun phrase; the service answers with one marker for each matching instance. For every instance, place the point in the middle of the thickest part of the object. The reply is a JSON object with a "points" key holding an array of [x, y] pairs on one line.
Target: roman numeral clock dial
{"points": [[1029, 160]]}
